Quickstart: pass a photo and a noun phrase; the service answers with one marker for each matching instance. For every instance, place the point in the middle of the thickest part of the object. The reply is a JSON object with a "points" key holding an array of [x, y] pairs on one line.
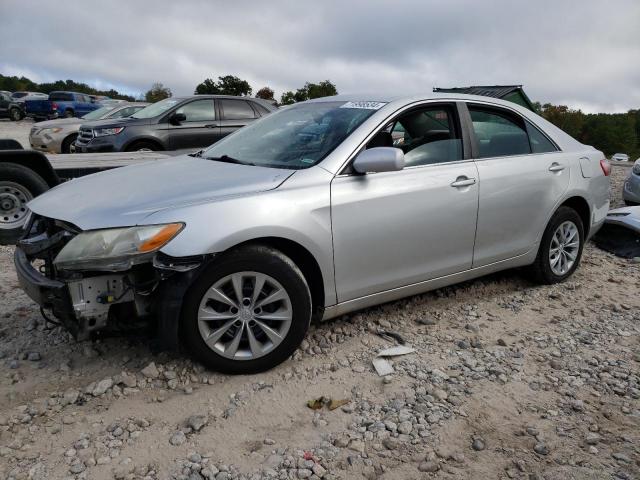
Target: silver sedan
{"points": [[57, 136], [317, 210]]}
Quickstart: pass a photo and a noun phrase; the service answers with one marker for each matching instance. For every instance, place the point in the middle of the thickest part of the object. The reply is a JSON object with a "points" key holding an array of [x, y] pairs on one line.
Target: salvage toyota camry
{"points": [[319, 209]]}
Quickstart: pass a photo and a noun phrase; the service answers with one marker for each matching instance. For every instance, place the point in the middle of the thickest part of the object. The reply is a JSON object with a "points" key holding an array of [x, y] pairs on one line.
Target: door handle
{"points": [[211, 125], [463, 182], [556, 167]]}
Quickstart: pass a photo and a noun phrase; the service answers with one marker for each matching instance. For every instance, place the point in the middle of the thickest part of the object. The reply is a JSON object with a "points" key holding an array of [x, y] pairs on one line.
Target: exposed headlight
{"points": [[636, 168], [115, 249], [104, 132]]}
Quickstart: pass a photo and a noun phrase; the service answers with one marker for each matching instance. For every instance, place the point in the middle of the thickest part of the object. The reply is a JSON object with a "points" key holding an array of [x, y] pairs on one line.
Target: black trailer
{"points": [[25, 174]]}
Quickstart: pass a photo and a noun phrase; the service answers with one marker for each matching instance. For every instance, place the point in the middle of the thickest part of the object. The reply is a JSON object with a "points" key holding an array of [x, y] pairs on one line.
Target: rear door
{"points": [[234, 114], [523, 176], [200, 129]]}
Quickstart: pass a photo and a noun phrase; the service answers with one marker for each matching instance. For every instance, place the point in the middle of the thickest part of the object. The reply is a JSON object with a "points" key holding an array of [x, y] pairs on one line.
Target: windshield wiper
{"points": [[228, 159]]}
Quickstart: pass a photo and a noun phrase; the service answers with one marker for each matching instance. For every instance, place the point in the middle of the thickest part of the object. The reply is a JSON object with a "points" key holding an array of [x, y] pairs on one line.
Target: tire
{"points": [[143, 145], [66, 143], [15, 114], [18, 185], [277, 268], [69, 113], [542, 270]]}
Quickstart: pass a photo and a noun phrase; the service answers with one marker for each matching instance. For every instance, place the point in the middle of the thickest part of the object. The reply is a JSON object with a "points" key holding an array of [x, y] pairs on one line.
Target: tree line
{"points": [[19, 84], [609, 132], [232, 85]]}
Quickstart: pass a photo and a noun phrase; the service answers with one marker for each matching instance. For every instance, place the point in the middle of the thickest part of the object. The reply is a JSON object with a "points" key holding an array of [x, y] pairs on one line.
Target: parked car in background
{"points": [[173, 124], [61, 104], [57, 136], [9, 108], [308, 213], [24, 96], [631, 188], [620, 157]]}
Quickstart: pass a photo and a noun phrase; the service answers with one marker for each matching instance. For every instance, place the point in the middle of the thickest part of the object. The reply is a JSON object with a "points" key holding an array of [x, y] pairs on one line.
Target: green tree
{"points": [[208, 87], [265, 93], [157, 92], [287, 98], [15, 84], [322, 89], [226, 85], [309, 91]]}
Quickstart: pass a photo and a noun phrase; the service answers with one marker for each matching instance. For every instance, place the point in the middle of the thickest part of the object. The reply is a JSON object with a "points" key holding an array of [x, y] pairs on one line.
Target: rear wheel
{"points": [[560, 250], [69, 113], [18, 185], [248, 312]]}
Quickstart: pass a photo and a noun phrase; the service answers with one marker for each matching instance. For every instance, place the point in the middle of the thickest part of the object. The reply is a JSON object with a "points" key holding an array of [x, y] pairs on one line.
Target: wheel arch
{"points": [[304, 260], [581, 206], [34, 161], [161, 146]]}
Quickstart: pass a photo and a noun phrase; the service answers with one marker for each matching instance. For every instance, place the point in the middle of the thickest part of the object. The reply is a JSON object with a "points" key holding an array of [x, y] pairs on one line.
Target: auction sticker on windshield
{"points": [[364, 105]]}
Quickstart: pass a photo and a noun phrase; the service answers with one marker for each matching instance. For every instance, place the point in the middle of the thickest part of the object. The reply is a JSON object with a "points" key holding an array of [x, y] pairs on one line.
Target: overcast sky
{"points": [[581, 53]]}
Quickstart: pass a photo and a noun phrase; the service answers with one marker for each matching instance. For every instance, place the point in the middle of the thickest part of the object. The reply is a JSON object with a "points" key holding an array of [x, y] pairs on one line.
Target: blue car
{"points": [[61, 104]]}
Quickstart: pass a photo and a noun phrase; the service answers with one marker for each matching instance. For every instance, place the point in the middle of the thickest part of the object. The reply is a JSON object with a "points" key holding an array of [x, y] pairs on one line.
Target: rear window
{"points": [[61, 97]]}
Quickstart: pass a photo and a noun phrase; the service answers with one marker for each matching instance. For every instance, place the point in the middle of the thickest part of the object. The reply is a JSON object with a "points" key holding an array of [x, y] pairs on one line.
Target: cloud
{"points": [[582, 54]]}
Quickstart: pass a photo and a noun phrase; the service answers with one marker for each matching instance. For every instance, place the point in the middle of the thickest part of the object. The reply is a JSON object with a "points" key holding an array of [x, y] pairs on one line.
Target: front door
{"points": [[4, 104], [523, 176], [394, 229], [200, 128]]}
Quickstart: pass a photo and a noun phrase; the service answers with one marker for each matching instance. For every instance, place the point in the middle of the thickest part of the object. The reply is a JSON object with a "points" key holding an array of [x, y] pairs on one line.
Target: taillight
{"points": [[54, 106], [606, 167]]}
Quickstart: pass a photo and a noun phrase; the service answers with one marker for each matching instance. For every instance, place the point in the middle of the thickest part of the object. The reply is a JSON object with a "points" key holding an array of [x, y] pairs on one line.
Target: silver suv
{"points": [[310, 213]]}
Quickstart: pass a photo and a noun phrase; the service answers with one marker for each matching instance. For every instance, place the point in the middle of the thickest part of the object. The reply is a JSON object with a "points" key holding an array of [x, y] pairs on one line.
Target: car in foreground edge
{"points": [[311, 213]]}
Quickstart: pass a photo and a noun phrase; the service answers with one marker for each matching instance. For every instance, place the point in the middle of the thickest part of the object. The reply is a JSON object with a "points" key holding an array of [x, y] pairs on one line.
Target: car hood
{"points": [[116, 122], [61, 122], [126, 196]]}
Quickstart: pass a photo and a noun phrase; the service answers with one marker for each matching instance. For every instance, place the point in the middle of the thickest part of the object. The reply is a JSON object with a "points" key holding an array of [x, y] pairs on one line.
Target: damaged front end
{"points": [[112, 279]]}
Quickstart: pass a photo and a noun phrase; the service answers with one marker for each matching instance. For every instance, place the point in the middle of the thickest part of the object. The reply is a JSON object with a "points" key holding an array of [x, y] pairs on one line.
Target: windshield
{"points": [[297, 137], [156, 109], [20, 94], [97, 114]]}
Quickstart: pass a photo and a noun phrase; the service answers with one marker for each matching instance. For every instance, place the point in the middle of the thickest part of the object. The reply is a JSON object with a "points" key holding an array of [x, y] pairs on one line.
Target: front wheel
{"points": [[247, 312], [16, 114], [561, 247]]}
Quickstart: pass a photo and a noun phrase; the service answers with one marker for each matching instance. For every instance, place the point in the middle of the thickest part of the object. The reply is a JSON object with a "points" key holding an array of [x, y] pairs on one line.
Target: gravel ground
{"points": [[509, 380]]}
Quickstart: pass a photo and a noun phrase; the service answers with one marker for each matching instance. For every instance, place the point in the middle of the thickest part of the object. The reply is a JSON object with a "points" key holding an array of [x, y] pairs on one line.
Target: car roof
{"points": [[261, 101]]}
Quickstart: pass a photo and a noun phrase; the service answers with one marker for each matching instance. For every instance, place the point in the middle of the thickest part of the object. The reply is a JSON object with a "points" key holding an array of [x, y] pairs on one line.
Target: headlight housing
{"points": [[636, 167], [105, 132], [115, 249]]}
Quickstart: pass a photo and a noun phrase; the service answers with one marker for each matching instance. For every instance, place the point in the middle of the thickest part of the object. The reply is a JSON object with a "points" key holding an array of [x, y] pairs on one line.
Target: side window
{"points": [[236, 109], [426, 136], [539, 142], [5, 97], [123, 113], [499, 133], [260, 109], [198, 111]]}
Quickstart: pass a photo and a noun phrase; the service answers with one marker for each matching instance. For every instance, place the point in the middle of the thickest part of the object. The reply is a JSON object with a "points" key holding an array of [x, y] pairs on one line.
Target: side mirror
{"points": [[177, 118], [379, 159]]}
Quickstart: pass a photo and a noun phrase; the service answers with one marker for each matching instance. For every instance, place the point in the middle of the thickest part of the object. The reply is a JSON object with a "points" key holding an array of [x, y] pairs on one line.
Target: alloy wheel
{"points": [[565, 244], [245, 315]]}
